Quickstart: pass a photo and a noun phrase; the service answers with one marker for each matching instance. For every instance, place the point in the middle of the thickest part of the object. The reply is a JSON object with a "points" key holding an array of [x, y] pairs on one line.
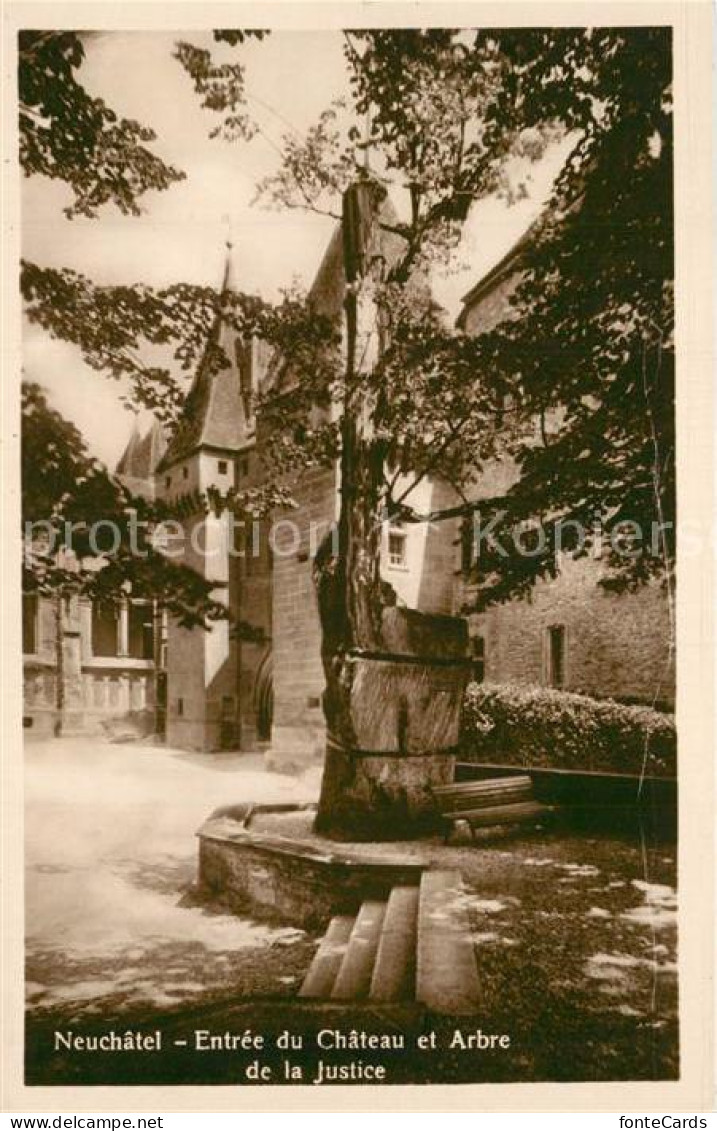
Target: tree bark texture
{"points": [[395, 678]]}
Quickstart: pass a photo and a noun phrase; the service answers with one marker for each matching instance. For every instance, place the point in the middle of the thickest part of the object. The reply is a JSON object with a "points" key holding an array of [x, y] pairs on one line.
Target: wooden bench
{"points": [[493, 801]]}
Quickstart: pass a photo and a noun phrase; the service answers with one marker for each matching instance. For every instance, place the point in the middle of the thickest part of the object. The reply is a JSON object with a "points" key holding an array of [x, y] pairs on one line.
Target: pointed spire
{"points": [[230, 266], [214, 414], [157, 442], [127, 458]]}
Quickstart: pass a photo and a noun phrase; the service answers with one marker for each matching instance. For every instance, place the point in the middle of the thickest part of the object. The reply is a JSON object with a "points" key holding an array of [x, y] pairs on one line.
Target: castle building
{"points": [[569, 633], [256, 680], [260, 681], [217, 680]]}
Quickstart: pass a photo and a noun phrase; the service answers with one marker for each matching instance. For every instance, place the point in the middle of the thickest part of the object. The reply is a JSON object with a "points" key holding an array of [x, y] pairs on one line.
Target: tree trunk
{"points": [[392, 703], [395, 678]]}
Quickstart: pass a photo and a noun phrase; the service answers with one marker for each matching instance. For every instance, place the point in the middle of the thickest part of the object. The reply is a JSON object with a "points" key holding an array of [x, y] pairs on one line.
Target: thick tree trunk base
{"points": [[371, 797]]}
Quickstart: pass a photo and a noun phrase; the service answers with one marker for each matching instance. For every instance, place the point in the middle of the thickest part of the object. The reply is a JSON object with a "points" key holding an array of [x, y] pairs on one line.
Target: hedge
{"points": [[540, 727]]}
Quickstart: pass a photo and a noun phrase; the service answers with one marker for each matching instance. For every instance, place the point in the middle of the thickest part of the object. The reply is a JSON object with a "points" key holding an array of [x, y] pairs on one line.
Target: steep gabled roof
{"points": [[140, 459], [510, 263], [214, 414], [149, 452], [328, 291], [143, 453], [506, 265], [328, 288], [125, 466], [326, 294]]}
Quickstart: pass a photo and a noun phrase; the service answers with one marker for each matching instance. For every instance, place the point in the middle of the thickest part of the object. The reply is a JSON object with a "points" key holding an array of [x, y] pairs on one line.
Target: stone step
{"points": [[353, 980], [394, 972], [321, 975], [446, 967]]}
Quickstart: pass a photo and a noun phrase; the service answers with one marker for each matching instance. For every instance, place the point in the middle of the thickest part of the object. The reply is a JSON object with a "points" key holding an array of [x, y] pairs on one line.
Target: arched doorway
{"points": [[264, 698]]}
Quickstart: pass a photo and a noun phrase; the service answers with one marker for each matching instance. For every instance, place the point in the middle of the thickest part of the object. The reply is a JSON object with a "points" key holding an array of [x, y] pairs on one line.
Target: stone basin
{"points": [[268, 862]]}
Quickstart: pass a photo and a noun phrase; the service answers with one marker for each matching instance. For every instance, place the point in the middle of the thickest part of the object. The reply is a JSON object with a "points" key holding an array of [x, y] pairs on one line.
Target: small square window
{"points": [[222, 466], [397, 546]]}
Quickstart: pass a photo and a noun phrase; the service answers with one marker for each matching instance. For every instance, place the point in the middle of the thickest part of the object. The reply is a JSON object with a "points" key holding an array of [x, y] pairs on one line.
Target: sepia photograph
{"points": [[349, 557]]}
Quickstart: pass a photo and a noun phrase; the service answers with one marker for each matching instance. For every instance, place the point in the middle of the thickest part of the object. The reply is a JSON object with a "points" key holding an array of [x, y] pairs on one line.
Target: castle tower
{"points": [[209, 673]]}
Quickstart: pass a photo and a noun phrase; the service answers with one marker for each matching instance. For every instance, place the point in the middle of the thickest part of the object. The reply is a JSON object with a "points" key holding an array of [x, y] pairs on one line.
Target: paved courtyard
{"points": [[112, 917], [576, 933]]}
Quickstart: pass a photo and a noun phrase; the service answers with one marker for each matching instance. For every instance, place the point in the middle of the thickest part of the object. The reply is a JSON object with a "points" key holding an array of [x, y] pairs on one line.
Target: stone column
{"points": [[123, 630]]}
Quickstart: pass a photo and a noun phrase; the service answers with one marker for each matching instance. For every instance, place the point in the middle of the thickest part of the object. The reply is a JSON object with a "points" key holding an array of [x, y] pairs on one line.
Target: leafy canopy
{"points": [[437, 120], [68, 135], [65, 494]]}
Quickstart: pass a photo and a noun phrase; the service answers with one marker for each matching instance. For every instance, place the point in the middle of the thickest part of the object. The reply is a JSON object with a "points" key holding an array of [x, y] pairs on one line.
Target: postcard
{"points": [[358, 574]]}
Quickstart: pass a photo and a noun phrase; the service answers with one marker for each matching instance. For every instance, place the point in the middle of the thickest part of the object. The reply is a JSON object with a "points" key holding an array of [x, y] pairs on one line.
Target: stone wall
{"points": [[293, 881], [202, 682], [427, 580], [298, 732], [252, 600], [615, 646]]}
